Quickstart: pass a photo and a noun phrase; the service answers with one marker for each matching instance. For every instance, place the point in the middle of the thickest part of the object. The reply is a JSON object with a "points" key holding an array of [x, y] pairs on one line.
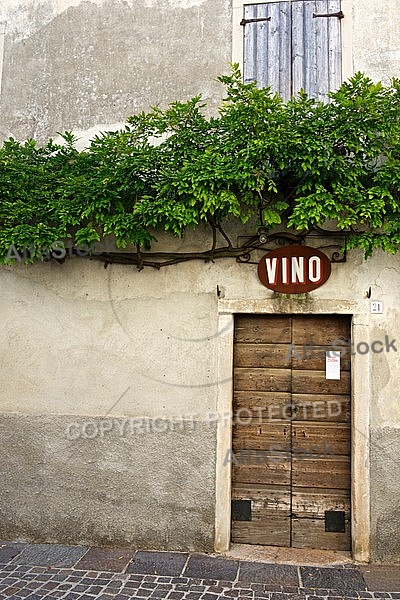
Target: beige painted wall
{"points": [[83, 345], [80, 343], [77, 335], [90, 64]]}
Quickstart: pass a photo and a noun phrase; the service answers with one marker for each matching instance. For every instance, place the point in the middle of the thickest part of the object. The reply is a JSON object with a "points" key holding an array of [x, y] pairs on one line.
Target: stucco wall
{"points": [[72, 64], [109, 380], [81, 343], [83, 346], [375, 38]]}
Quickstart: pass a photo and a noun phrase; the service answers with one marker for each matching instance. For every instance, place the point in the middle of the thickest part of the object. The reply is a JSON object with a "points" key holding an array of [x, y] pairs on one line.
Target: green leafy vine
{"points": [[299, 164]]}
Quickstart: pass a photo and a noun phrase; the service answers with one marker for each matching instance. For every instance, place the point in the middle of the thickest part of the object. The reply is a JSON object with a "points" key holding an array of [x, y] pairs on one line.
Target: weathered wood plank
{"points": [[320, 329], [262, 35], [270, 499], [278, 59], [271, 532], [250, 44], [313, 358], [329, 407], [315, 382], [298, 47], [313, 502], [321, 437], [321, 48], [266, 380], [263, 329], [261, 436], [262, 355], [329, 473], [310, 533], [266, 406], [268, 474], [310, 75], [334, 47]]}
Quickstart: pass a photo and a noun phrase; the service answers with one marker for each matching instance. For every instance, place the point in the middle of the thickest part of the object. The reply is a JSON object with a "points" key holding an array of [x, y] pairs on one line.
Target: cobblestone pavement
{"points": [[37, 571]]}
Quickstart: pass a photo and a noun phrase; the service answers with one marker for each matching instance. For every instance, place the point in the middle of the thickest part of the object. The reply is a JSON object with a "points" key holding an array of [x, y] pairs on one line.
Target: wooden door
{"points": [[291, 435]]}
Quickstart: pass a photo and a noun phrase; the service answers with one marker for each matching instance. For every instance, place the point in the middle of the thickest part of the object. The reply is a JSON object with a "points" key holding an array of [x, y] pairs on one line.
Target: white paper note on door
{"points": [[332, 365]]}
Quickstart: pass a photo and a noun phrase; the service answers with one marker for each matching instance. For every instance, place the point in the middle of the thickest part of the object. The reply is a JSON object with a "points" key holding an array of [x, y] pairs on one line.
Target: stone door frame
{"points": [[360, 402]]}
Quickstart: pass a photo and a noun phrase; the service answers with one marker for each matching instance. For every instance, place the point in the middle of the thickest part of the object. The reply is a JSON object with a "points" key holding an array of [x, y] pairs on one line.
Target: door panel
{"points": [[310, 533], [320, 407], [262, 355], [251, 328], [320, 329], [269, 474], [256, 403], [266, 380], [314, 382], [309, 502], [327, 438], [314, 359], [261, 436], [262, 531], [328, 473]]}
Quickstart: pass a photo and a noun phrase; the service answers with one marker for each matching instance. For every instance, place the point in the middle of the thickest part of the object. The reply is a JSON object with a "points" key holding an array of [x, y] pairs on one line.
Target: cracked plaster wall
{"points": [[78, 65]]}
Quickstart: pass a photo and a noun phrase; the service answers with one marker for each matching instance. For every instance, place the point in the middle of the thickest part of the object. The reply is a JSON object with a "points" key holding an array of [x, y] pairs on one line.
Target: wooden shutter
{"points": [[298, 47]]}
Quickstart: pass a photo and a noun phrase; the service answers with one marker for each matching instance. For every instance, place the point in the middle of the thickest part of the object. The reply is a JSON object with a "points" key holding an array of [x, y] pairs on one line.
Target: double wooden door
{"points": [[291, 436]]}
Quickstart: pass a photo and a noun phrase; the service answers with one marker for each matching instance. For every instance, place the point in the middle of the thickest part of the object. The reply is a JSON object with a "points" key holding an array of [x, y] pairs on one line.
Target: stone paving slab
{"points": [[158, 563], [8, 550], [331, 578], [378, 577], [208, 567], [55, 555], [105, 559], [286, 575]]}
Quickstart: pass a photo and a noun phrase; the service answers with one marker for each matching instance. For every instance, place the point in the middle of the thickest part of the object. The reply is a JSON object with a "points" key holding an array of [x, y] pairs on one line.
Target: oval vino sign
{"points": [[294, 269]]}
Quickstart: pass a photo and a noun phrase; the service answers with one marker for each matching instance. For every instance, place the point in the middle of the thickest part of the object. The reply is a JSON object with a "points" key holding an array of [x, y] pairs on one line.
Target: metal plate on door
{"points": [[334, 521], [241, 510]]}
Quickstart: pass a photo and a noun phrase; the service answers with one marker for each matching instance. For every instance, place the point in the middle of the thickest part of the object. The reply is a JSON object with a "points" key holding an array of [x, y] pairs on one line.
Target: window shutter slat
{"points": [[316, 47], [283, 61], [267, 46], [318, 35], [299, 47], [250, 30], [334, 46], [262, 46]]}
